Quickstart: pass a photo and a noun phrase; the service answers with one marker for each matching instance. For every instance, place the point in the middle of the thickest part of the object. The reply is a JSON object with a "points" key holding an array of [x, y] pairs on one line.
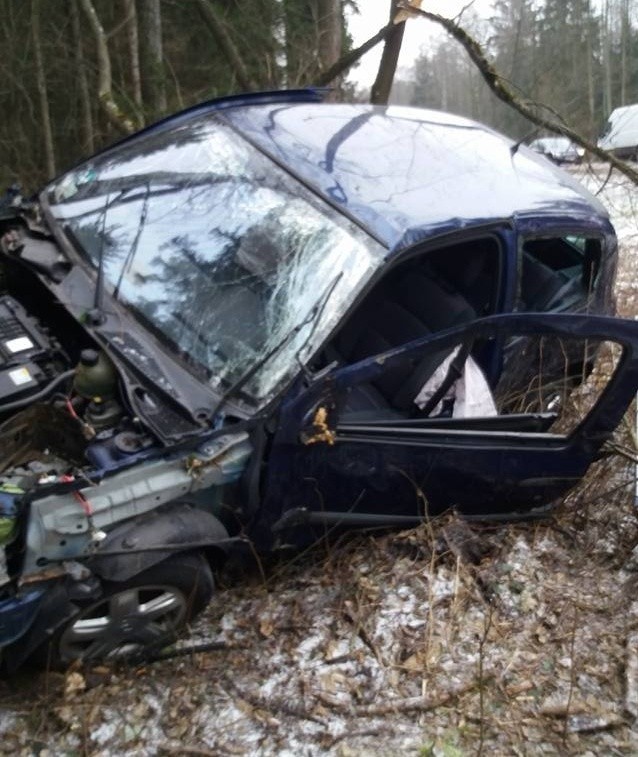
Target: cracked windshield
{"points": [[216, 250]]}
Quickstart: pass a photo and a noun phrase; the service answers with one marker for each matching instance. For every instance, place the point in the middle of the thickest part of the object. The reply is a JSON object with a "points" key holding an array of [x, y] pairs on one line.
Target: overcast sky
{"points": [[419, 32]]}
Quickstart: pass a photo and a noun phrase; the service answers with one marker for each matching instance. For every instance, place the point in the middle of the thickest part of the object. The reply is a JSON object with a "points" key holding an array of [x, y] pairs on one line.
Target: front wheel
{"points": [[137, 617]]}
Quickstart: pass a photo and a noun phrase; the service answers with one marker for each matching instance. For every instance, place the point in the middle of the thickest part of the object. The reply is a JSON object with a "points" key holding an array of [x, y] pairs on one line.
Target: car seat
{"points": [[402, 309]]}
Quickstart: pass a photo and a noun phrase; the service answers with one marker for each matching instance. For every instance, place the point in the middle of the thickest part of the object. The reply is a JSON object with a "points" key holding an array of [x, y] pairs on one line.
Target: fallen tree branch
{"points": [[348, 734], [503, 91], [184, 749], [209, 646], [407, 704], [349, 59], [271, 704], [622, 451]]}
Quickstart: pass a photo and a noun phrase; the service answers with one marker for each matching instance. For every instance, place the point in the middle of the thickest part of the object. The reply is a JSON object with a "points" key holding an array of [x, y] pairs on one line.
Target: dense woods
{"points": [[78, 74]]}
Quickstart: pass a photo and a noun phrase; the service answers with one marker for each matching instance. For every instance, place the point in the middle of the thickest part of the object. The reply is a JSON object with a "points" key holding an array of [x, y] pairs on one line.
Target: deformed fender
{"points": [[17, 615], [54, 610], [133, 545]]}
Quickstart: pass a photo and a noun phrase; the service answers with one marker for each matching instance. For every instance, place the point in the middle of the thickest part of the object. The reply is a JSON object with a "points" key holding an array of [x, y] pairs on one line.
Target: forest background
{"points": [[76, 75]]}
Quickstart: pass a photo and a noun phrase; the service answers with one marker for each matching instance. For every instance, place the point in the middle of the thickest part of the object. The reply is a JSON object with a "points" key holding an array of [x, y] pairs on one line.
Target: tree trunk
{"points": [[105, 94], [86, 121], [624, 35], [382, 86], [42, 90], [134, 55], [329, 32], [152, 55], [591, 92], [607, 96]]}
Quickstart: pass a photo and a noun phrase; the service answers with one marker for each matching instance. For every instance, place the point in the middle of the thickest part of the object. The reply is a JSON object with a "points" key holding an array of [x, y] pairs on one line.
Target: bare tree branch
{"points": [[220, 32], [502, 90], [349, 59], [105, 92], [130, 14]]}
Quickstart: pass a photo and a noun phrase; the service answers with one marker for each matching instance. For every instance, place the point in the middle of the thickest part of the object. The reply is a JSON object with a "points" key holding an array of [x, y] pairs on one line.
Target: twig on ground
{"points": [[209, 646], [407, 704], [272, 704], [353, 734], [604, 184], [361, 632], [196, 751]]}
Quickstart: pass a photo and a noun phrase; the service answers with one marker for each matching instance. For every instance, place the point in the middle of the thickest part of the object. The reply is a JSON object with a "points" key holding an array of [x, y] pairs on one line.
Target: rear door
{"points": [[565, 383]]}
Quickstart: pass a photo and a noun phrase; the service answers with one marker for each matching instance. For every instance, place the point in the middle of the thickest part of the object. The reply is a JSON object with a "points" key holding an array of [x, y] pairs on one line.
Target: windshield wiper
{"points": [[313, 316], [130, 255], [96, 316]]}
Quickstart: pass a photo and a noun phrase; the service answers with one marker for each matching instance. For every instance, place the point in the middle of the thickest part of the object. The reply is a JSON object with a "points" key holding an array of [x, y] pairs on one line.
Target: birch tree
{"points": [[86, 119], [132, 37], [152, 57], [43, 95]]}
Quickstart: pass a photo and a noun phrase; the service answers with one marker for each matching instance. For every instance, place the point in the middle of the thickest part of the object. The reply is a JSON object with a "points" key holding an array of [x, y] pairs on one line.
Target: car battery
{"points": [[24, 352], [20, 338], [19, 381]]}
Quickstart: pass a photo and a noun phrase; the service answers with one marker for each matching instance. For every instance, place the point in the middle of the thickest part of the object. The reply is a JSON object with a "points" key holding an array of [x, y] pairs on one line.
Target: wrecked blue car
{"points": [[268, 318]]}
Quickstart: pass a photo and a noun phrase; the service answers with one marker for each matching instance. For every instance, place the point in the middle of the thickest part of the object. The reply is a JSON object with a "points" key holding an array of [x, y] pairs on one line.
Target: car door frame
{"points": [[527, 470]]}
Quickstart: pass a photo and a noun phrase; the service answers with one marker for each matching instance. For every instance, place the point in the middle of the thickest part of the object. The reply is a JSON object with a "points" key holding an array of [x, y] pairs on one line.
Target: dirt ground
{"points": [[445, 640]]}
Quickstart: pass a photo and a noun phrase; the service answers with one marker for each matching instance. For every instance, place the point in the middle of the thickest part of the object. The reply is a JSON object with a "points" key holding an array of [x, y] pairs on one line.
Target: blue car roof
{"points": [[404, 174], [409, 174]]}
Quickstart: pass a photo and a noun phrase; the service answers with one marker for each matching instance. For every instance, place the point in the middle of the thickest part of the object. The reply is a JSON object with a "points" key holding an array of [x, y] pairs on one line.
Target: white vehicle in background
{"points": [[558, 149], [621, 132]]}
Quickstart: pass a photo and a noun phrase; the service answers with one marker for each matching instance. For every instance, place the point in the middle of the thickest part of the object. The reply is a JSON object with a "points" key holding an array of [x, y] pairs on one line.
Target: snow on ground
{"points": [[445, 640]]}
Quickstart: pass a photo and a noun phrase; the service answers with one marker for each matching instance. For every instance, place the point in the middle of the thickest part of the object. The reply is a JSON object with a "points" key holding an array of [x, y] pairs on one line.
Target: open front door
{"points": [[563, 387]]}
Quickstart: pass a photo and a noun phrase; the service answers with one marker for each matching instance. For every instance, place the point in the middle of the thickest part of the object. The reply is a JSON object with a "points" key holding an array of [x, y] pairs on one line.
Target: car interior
{"points": [[557, 273], [444, 288]]}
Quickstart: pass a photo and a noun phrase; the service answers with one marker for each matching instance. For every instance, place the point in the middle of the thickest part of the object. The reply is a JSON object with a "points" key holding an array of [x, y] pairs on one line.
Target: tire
{"points": [[134, 618]]}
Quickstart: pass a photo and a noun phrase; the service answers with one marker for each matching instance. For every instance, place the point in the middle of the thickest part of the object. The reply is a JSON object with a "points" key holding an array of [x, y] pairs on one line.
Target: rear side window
{"points": [[558, 273]]}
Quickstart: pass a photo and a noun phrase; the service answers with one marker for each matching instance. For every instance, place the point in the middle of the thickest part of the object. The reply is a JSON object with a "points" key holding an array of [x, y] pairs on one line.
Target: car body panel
{"points": [[17, 614], [377, 163]]}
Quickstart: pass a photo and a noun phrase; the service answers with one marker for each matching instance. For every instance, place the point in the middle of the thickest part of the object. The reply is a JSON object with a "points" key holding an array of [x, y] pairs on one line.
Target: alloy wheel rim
{"points": [[125, 623]]}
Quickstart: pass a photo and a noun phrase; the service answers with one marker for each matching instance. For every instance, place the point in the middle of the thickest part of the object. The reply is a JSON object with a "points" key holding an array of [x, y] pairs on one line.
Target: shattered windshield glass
{"points": [[215, 249]]}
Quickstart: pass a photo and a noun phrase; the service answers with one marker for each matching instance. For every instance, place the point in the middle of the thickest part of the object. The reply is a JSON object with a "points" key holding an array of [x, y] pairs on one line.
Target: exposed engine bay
{"points": [[67, 425], [29, 357], [59, 392], [41, 417]]}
